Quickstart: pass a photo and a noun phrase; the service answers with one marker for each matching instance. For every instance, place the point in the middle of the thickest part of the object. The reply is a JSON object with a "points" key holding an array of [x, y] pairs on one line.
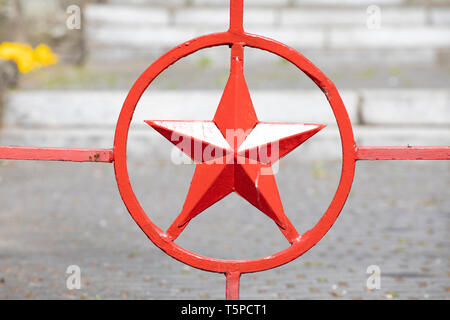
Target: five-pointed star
{"points": [[234, 153]]}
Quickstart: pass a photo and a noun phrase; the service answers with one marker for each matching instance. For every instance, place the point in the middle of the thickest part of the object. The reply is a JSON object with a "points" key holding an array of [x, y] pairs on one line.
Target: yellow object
{"points": [[26, 57]]}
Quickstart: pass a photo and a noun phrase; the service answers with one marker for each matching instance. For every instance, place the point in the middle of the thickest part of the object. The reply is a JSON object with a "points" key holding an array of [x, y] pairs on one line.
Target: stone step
{"points": [[409, 35], [71, 109], [292, 17], [406, 107], [63, 109]]}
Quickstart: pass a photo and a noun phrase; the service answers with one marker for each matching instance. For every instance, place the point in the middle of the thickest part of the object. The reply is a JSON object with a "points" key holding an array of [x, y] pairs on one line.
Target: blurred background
{"points": [[65, 70]]}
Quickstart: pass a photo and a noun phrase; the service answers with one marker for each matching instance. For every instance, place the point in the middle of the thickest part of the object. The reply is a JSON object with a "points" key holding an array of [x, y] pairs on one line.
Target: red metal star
{"points": [[234, 153]]}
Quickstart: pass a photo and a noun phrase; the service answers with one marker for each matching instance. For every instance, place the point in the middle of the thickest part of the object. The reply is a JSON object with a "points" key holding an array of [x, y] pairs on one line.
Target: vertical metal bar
{"points": [[237, 57], [232, 286], [237, 16]]}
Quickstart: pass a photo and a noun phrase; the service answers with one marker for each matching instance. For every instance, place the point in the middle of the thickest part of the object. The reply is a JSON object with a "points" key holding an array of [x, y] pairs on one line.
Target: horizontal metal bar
{"points": [[57, 154], [403, 153]]}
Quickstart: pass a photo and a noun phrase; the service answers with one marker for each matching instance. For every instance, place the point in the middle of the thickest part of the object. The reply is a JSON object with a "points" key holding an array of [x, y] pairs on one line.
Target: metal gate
{"points": [[233, 152]]}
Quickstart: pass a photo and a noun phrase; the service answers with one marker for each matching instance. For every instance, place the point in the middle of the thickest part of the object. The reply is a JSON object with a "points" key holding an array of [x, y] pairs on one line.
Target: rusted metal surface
{"points": [[227, 162], [403, 153], [57, 154]]}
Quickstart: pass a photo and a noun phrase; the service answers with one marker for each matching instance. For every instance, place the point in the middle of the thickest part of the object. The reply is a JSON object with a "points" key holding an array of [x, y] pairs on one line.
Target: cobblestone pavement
{"points": [[53, 215]]}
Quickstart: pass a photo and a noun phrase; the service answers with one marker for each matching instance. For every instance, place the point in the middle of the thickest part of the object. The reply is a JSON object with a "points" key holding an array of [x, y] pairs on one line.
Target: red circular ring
{"points": [[155, 234]]}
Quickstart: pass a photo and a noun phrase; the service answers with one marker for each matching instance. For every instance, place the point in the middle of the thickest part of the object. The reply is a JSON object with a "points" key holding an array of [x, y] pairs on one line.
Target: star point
{"points": [[245, 170]]}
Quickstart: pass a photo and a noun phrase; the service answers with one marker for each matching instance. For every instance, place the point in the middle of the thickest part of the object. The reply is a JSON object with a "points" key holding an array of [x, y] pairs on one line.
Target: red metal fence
{"points": [[212, 180]]}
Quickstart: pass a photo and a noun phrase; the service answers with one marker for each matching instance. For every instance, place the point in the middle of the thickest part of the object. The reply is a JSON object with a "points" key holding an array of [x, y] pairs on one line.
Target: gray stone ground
{"points": [[53, 215]]}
